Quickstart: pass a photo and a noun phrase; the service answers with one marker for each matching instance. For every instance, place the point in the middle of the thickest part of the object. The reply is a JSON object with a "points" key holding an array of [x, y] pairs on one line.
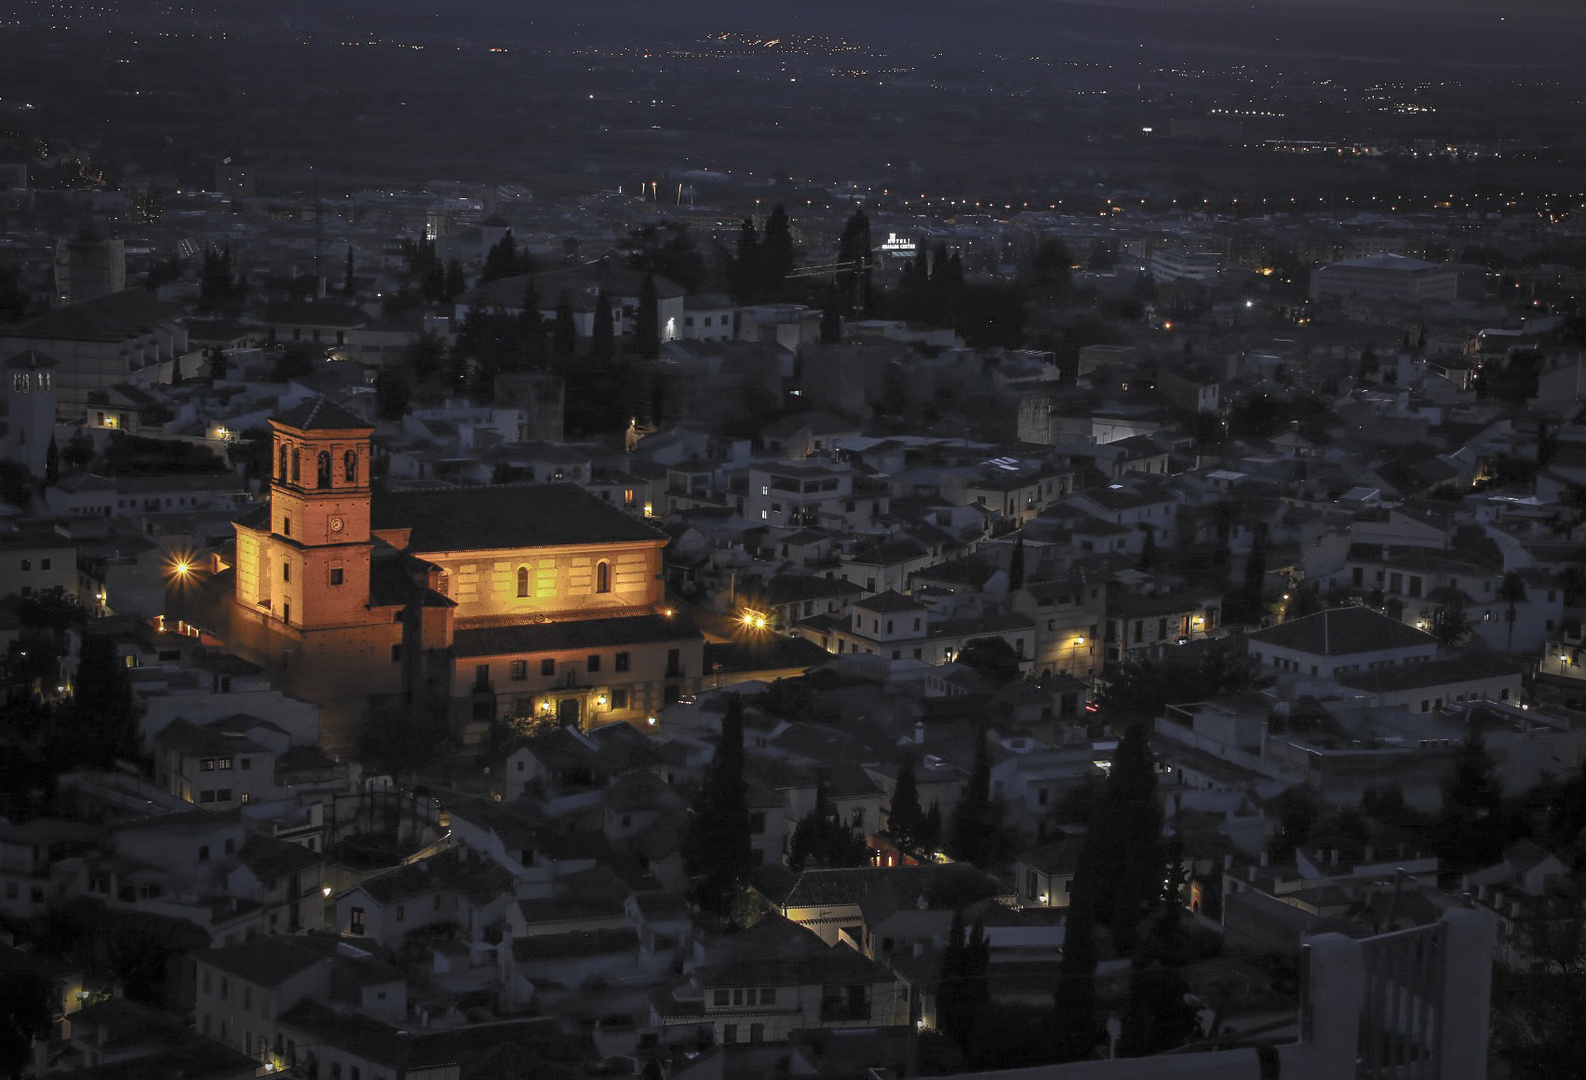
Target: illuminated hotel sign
{"points": [[897, 245]]}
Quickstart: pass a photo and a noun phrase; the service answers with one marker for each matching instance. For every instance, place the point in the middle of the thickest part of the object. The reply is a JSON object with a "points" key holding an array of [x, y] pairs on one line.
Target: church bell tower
{"points": [[319, 546]]}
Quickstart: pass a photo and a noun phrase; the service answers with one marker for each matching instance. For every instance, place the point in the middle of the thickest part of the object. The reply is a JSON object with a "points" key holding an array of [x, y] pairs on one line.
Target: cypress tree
{"points": [[602, 342], [952, 289], [1147, 560], [532, 327], [433, 285], [1255, 574], [1074, 1000], [977, 969], [564, 330], [52, 461], [1157, 1017], [831, 321], [747, 269], [1016, 565], [647, 321], [972, 817], [777, 249], [103, 709], [822, 837], [348, 285], [501, 260], [717, 847], [217, 363], [962, 985], [931, 830], [905, 819], [1124, 844], [853, 248], [1469, 828], [453, 282], [748, 239]]}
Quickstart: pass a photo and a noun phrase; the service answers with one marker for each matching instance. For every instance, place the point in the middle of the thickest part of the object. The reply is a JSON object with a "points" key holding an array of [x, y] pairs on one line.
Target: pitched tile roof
{"points": [[30, 360], [322, 414], [1343, 631], [266, 961], [1459, 669], [113, 317], [575, 944], [508, 516], [950, 886], [455, 870]]}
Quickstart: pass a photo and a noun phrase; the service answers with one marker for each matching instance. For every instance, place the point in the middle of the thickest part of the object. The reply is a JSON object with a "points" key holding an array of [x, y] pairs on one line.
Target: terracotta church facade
{"points": [[492, 603]]}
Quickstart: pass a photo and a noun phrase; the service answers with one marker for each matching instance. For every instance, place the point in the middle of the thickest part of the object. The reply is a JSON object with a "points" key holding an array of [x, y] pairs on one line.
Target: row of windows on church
{"points": [[291, 467], [602, 580]]}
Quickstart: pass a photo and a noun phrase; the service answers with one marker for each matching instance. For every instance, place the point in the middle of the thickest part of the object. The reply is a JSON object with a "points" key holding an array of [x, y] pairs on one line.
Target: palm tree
{"points": [[1511, 591]]}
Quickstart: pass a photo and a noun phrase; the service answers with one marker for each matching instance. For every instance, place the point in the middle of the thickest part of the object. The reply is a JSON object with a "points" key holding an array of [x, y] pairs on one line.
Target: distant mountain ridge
{"points": [[1533, 33]]}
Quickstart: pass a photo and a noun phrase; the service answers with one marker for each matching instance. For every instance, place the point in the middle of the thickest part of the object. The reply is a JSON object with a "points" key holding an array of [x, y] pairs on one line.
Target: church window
{"points": [[297, 465], [335, 575], [286, 571], [523, 582], [603, 577], [323, 469], [283, 462], [349, 466], [19, 382]]}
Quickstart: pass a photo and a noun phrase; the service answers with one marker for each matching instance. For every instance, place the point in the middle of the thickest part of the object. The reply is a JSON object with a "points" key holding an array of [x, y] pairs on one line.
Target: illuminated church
{"points": [[491, 602]]}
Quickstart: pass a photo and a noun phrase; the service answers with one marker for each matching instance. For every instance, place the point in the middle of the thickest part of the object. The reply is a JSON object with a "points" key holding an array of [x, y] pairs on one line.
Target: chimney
{"points": [[919, 732], [1250, 872], [919, 949], [1228, 862], [1334, 857], [1264, 858], [1371, 853]]}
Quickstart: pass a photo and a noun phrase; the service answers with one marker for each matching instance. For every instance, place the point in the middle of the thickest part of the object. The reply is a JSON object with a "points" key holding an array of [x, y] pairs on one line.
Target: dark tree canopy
{"points": [[975, 833], [647, 321], [1139, 689], [992, 658], [1123, 855], [1470, 827], [822, 838], [1074, 1000], [602, 335], [717, 845], [1157, 1017], [962, 986], [26, 1013], [906, 818]]}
